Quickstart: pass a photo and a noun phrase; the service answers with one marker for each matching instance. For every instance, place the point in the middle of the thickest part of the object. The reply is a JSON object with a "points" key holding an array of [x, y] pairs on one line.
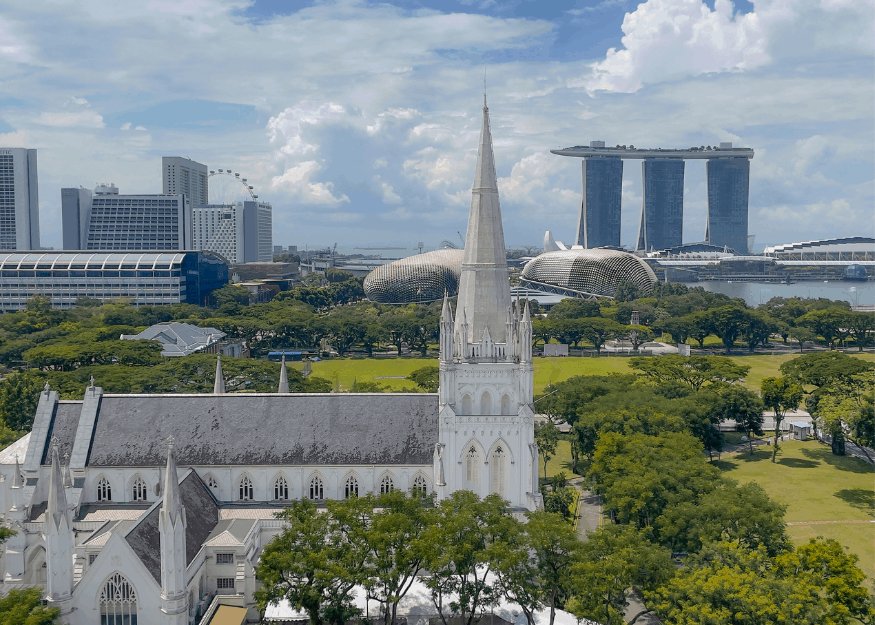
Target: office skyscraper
{"points": [[241, 232], [728, 188], [75, 215], [662, 210], [19, 200], [132, 222], [602, 196], [182, 175]]}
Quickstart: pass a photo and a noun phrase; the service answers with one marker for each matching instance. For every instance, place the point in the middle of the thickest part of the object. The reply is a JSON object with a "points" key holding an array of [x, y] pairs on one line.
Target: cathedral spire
{"points": [[171, 531], [284, 377], [59, 539], [172, 505], [57, 504], [484, 291], [219, 384]]}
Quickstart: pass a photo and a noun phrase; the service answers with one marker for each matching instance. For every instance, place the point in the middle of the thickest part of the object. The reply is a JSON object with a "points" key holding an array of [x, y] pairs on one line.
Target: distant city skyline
{"points": [[355, 120]]}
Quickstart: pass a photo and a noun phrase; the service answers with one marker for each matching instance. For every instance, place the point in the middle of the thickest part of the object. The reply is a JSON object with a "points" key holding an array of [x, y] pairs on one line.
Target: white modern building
{"points": [[155, 509], [106, 220], [182, 175], [19, 200], [241, 232]]}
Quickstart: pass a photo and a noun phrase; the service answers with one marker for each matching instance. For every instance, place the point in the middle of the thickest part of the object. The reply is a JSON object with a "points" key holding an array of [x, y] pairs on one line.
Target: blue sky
{"points": [[358, 121]]}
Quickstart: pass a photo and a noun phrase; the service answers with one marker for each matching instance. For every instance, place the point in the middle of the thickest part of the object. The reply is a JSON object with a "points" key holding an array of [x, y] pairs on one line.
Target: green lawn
{"points": [[560, 462], [816, 486]]}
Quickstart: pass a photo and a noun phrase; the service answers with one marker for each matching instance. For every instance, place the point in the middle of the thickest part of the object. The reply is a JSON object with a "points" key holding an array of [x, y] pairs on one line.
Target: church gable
{"points": [[62, 429], [262, 429], [202, 514]]}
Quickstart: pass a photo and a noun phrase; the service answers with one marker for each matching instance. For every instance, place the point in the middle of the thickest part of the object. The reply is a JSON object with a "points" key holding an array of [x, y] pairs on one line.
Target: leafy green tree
{"points": [[827, 369], [6, 532], [640, 476], [547, 437], [334, 275], [679, 328], [627, 291], [757, 329], [426, 378], [19, 396], [25, 607], [802, 335], [700, 326], [694, 371], [573, 308], [727, 322], [824, 322], [614, 561], [308, 565], [781, 395], [861, 326], [844, 418], [597, 331], [468, 539], [638, 335], [745, 408], [231, 293], [743, 515], [533, 572]]}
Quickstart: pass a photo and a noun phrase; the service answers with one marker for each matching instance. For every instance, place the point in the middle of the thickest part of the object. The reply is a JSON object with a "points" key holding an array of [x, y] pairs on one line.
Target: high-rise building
{"points": [[19, 200], [241, 232], [182, 175], [130, 222], [602, 196], [728, 192], [662, 207], [75, 215]]}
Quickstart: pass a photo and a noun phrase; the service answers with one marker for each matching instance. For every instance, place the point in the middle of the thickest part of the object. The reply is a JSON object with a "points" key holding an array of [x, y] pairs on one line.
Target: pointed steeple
{"points": [[57, 504], [219, 384], [484, 291], [16, 477], [68, 479], [172, 501], [446, 313], [284, 377]]}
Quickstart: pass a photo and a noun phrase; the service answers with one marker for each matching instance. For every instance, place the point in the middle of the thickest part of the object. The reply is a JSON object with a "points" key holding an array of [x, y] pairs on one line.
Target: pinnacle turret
{"points": [[284, 377], [219, 384], [57, 504]]}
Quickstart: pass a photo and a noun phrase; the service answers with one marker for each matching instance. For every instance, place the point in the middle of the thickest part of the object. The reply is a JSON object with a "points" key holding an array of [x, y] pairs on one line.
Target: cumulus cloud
{"points": [[76, 112], [297, 180]]}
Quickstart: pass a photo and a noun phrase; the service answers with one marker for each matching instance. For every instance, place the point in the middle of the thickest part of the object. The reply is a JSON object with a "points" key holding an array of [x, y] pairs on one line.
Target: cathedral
{"points": [[154, 509]]}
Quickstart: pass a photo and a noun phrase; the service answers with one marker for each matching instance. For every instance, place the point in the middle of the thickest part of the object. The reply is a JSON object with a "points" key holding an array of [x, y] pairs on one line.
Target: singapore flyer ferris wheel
{"points": [[229, 187]]}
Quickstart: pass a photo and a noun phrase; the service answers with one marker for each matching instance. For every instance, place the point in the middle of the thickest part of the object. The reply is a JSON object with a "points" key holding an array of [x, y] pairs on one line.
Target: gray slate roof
{"points": [[64, 425], [177, 338], [201, 515], [266, 429]]}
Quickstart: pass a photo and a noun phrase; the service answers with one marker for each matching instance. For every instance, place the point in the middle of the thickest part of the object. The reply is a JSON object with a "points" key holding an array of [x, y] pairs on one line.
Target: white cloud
{"points": [[296, 180]]}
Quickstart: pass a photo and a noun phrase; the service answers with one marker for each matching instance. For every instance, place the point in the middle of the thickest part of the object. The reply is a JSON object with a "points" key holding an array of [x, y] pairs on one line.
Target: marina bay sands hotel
{"points": [[662, 213]]}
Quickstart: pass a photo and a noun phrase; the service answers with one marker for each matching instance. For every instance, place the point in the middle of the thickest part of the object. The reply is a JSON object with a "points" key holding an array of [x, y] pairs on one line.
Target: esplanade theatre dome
{"points": [[581, 272], [420, 278]]}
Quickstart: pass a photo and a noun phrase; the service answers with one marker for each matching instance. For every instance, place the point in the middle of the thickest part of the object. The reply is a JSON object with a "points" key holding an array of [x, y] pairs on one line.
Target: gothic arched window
{"points": [[420, 485], [466, 404], [386, 485], [505, 404], [281, 488], [472, 465], [118, 602], [138, 489], [317, 490], [351, 488], [486, 403], [498, 457], [246, 489], [104, 490]]}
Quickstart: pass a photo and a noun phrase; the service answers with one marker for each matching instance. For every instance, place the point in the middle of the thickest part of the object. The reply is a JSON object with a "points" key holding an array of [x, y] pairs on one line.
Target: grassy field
{"points": [[389, 372], [560, 462], [819, 490]]}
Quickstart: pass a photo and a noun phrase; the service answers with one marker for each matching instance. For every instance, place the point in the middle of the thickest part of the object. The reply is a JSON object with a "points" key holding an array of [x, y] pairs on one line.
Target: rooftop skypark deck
{"points": [[597, 148]]}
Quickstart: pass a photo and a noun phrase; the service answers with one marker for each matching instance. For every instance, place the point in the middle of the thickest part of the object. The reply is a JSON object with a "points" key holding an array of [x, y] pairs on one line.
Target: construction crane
{"points": [[461, 238]]}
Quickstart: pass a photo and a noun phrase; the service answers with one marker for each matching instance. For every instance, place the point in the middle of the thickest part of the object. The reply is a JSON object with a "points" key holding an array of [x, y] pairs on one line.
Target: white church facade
{"points": [[154, 509]]}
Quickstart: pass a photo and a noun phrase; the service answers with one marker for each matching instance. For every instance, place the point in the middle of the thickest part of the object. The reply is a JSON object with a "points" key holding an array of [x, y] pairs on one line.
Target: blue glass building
{"points": [[602, 196], [662, 210], [728, 189]]}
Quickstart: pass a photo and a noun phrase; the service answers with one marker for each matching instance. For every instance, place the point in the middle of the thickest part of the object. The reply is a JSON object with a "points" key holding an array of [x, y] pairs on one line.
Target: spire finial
{"points": [[91, 382], [484, 88], [46, 387], [169, 442]]}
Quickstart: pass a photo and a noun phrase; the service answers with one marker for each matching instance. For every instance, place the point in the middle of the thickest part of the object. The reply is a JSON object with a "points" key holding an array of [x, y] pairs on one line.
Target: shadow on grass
{"points": [[798, 463], [843, 463], [861, 498]]}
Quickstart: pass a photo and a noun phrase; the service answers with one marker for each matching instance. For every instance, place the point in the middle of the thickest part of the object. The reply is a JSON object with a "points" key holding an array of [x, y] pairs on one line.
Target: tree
{"points": [[825, 322], [25, 607], [547, 438], [802, 336], [827, 369], [573, 308], [679, 328], [391, 530], [700, 326], [694, 371], [598, 330], [304, 564], [780, 395], [860, 325], [745, 408], [231, 293], [845, 418], [727, 323], [467, 540], [638, 335], [534, 570], [614, 561], [19, 396], [426, 378], [758, 328], [627, 291]]}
